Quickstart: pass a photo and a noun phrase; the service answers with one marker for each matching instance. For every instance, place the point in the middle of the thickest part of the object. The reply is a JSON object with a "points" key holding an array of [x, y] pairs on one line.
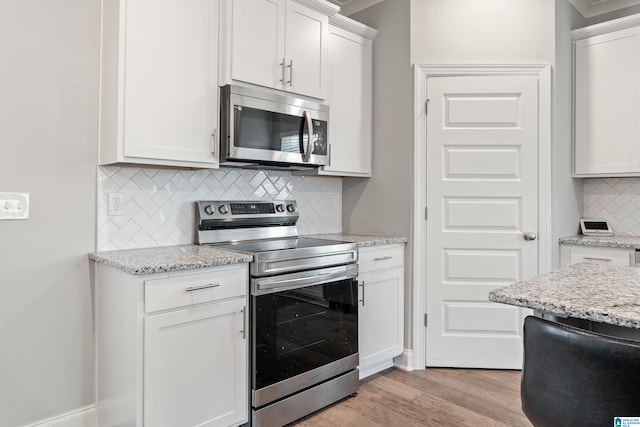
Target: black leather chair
{"points": [[573, 377]]}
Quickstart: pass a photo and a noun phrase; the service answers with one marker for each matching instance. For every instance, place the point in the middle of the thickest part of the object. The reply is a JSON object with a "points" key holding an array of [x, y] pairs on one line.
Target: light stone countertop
{"points": [[186, 257], [169, 258], [362, 240], [624, 242], [599, 293]]}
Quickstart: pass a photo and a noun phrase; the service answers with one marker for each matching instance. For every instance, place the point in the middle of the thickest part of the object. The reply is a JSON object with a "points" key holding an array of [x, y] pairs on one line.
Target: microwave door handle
{"points": [[236, 128], [310, 144]]}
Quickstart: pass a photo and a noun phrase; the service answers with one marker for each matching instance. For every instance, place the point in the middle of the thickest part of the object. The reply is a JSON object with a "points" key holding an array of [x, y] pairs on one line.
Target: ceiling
{"points": [[590, 8]]}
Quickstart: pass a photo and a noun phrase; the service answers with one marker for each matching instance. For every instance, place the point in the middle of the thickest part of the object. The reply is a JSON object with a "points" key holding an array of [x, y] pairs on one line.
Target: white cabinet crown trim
{"points": [[606, 27], [321, 6], [352, 26]]}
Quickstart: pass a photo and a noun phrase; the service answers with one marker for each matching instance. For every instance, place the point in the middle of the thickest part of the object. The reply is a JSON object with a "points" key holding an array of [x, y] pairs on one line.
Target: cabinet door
{"points": [[380, 322], [195, 366], [170, 84], [350, 89], [607, 104], [306, 43], [258, 31]]}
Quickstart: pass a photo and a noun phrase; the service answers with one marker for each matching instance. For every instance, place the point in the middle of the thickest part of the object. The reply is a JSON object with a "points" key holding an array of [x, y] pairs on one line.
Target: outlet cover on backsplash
{"points": [[157, 204], [616, 200]]}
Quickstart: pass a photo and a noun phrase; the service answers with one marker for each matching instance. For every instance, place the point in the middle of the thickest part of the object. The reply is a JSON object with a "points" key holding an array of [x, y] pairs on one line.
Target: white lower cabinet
{"points": [[172, 349], [573, 254], [381, 307]]}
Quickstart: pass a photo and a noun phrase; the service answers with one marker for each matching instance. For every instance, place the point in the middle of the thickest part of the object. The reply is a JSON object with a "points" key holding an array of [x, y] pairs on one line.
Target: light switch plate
{"points": [[14, 205]]}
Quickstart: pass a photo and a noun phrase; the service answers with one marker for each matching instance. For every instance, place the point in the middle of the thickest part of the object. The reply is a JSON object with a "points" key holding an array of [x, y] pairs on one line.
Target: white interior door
{"points": [[482, 199]]}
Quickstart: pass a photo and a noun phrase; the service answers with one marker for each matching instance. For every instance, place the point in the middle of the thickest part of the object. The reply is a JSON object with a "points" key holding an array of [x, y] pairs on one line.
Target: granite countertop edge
{"points": [[598, 293], [622, 242], [363, 240], [167, 259], [564, 311]]}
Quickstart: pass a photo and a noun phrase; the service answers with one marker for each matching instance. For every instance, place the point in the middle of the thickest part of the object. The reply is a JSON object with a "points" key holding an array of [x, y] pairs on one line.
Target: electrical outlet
{"points": [[332, 202], [115, 202], [14, 205]]}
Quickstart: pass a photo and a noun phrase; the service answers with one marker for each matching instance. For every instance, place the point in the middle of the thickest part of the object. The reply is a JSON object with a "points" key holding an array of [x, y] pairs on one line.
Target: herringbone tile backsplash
{"points": [[158, 203], [615, 199]]}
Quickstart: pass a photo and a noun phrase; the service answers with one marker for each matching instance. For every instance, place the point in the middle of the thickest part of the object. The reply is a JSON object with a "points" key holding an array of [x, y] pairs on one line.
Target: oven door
{"points": [[274, 129], [304, 330]]}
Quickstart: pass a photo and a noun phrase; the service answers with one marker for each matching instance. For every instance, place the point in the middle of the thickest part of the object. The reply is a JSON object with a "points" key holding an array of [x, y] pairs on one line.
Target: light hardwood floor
{"points": [[432, 397]]}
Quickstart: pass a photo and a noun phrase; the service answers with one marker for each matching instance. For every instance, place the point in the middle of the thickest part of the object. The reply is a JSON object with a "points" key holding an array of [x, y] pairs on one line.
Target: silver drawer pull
{"points": [[244, 322], [197, 288], [382, 258], [595, 258]]}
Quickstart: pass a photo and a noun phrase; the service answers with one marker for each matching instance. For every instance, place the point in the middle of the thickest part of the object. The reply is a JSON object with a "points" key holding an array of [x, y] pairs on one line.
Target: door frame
{"points": [[422, 72]]}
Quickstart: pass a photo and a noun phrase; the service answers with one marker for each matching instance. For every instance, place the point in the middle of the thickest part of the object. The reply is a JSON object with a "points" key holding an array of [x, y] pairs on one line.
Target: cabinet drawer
{"points": [[380, 258], [613, 256], [180, 291]]}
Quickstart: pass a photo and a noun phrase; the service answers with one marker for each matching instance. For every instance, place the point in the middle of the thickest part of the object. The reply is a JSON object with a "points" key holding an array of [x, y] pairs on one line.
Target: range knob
{"points": [[291, 207], [280, 207], [223, 209], [209, 210]]}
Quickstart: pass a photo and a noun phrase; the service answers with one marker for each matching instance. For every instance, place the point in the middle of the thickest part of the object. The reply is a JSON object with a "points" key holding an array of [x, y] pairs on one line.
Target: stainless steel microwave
{"points": [[264, 129]]}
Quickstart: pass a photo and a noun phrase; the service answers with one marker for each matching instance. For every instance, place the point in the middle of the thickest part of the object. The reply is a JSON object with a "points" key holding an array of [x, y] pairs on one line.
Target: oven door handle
{"points": [[267, 285]]}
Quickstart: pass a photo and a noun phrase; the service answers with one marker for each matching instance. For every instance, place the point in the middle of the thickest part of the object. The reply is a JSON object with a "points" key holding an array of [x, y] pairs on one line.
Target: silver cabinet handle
{"points": [[244, 322], [595, 258], [207, 286], [290, 66], [283, 68], [361, 284], [382, 258], [530, 235], [310, 143], [215, 146]]}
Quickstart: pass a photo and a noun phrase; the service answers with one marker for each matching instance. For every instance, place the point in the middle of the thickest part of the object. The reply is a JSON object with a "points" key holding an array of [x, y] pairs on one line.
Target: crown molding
{"points": [[321, 6], [606, 27], [352, 26], [591, 8]]}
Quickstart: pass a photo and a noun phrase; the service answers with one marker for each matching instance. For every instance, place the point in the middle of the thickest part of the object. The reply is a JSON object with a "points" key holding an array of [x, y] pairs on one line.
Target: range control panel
{"points": [[217, 209], [222, 221]]}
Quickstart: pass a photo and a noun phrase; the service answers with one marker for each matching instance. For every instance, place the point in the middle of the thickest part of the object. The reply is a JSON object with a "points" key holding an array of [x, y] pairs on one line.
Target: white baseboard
{"points": [[375, 368], [83, 417], [405, 361]]}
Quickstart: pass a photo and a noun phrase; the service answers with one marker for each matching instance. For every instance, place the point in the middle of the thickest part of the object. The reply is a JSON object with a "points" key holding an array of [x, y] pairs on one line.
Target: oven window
{"points": [[302, 329]]}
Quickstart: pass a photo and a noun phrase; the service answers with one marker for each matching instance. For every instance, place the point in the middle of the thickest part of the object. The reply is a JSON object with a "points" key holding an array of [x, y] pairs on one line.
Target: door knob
{"points": [[529, 235]]}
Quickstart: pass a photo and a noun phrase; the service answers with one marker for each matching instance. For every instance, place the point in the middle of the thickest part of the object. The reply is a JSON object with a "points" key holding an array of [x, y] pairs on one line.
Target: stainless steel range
{"points": [[304, 313]]}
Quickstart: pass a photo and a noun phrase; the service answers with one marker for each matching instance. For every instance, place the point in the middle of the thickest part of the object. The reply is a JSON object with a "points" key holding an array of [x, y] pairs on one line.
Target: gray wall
{"points": [[381, 204], [48, 125], [470, 31]]}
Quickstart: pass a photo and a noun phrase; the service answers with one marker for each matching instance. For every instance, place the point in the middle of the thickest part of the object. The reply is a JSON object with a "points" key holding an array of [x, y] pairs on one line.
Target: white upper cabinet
{"points": [[280, 44], [350, 97], [159, 82], [607, 99]]}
